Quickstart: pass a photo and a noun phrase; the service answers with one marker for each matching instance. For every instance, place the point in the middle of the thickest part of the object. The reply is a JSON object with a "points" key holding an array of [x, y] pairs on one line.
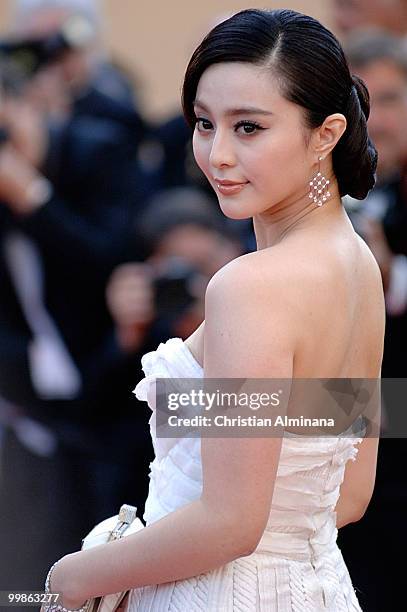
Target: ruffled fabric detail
{"points": [[171, 359], [175, 479]]}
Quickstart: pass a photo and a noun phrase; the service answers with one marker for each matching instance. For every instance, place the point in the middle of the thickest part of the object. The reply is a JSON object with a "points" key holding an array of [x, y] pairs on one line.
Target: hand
{"points": [[48, 93], [58, 585], [130, 299], [27, 129], [66, 603], [16, 176]]}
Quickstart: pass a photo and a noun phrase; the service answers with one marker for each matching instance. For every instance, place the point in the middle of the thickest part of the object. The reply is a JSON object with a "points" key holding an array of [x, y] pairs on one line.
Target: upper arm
{"points": [[250, 324], [245, 336], [359, 478]]}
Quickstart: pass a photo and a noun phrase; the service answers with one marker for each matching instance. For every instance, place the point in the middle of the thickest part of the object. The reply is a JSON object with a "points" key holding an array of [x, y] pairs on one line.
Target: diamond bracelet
{"points": [[55, 607]]}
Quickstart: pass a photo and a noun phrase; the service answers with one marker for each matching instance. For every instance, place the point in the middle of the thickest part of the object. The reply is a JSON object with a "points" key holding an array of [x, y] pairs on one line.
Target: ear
{"points": [[328, 134]]}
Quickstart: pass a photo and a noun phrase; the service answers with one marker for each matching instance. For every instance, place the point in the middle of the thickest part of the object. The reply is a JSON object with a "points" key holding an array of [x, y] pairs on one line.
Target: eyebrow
{"points": [[232, 112]]}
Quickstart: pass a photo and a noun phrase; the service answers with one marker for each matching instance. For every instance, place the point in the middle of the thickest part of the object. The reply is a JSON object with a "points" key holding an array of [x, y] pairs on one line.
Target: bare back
{"points": [[344, 313], [341, 318], [339, 329]]}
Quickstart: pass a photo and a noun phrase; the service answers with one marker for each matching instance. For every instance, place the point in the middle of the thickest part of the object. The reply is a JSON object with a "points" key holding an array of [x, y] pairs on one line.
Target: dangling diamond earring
{"points": [[319, 187]]}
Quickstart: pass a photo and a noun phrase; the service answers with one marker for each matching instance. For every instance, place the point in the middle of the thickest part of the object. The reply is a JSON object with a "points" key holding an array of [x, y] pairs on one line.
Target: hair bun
{"points": [[362, 94], [355, 157]]}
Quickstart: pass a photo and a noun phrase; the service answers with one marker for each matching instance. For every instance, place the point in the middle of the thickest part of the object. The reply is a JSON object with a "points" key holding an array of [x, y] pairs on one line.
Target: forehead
{"points": [[233, 84]]}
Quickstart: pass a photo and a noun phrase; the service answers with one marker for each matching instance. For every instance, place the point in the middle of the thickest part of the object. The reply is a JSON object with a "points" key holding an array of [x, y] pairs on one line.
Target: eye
{"points": [[249, 127], [202, 124]]}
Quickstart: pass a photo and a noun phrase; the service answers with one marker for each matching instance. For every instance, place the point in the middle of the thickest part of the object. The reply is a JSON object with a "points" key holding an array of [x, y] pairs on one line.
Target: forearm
{"points": [[185, 543]]}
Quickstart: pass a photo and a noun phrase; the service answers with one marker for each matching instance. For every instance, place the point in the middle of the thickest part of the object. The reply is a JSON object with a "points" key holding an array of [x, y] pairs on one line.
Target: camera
{"points": [[177, 285], [28, 55]]}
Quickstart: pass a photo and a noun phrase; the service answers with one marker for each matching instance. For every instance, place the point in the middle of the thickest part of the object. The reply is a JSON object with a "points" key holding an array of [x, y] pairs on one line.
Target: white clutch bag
{"points": [[123, 524]]}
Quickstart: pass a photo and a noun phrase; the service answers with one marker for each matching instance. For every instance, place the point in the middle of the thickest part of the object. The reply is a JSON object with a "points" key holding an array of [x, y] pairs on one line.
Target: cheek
{"points": [[201, 150], [279, 165]]}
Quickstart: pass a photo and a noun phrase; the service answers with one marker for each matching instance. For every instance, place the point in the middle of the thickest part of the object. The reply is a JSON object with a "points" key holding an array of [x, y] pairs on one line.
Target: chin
{"points": [[235, 213], [235, 208]]}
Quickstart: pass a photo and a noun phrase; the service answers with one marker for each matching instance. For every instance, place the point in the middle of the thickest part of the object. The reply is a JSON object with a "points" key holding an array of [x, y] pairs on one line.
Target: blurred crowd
{"points": [[109, 235], [374, 33]]}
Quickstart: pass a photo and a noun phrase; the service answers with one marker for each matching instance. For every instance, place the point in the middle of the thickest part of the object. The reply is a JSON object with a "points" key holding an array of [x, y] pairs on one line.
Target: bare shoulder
{"points": [[250, 325], [250, 270], [240, 283], [369, 260], [272, 277]]}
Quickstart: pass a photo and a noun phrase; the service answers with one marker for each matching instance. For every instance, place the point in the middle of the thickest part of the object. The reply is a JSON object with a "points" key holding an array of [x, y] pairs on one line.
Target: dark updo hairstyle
{"points": [[312, 71]]}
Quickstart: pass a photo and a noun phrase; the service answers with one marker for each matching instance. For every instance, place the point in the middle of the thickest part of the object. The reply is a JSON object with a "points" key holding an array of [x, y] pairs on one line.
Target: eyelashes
{"points": [[202, 124], [253, 126], [249, 127]]}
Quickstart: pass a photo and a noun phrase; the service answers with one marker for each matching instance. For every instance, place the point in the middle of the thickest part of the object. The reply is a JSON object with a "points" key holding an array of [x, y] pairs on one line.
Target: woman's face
{"points": [[250, 141]]}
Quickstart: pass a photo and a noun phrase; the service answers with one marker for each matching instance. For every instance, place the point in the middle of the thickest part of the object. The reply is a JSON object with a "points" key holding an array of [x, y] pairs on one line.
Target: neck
{"points": [[283, 219]]}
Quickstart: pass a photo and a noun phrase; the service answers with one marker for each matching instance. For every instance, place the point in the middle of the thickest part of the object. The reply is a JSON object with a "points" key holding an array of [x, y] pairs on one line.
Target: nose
{"points": [[222, 153]]}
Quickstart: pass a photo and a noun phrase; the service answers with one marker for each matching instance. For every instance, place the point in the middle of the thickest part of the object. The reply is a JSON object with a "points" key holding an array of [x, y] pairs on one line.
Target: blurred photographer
{"points": [[185, 241], [72, 31], [68, 193], [55, 54]]}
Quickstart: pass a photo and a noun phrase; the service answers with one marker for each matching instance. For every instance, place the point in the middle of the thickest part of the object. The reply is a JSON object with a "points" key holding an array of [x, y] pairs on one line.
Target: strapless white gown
{"points": [[297, 566]]}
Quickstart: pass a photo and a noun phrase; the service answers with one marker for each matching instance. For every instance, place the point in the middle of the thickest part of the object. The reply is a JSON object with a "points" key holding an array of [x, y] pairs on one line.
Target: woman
{"points": [[251, 523]]}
